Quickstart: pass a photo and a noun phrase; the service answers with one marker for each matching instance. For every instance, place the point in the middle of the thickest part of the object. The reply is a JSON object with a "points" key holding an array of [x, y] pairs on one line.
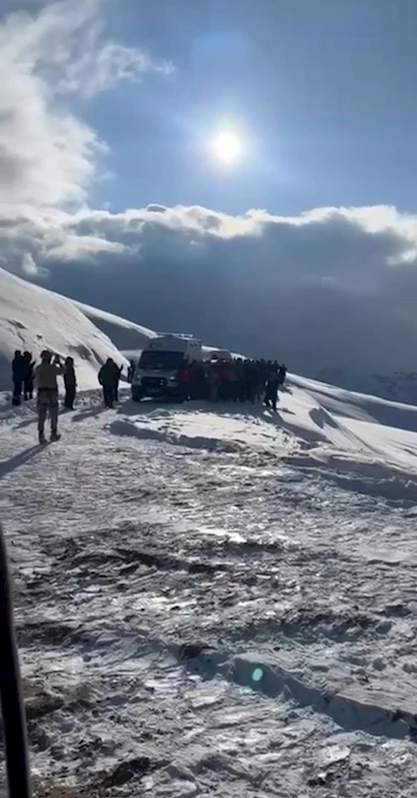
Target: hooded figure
{"points": [[47, 385], [70, 382], [107, 379], [18, 375]]}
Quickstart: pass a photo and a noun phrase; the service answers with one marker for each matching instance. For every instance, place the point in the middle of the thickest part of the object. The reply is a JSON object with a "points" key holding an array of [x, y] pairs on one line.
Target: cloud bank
{"points": [[332, 291]]}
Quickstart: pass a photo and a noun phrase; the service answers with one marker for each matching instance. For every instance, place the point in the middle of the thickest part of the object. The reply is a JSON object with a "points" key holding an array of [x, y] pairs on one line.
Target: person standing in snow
{"points": [[282, 373], [28, 373], [271, 390], [185, 382], [214, 379], [260, 381], [117, 374], [18, 374], [47, 386], [70, 382], [106, 378]]}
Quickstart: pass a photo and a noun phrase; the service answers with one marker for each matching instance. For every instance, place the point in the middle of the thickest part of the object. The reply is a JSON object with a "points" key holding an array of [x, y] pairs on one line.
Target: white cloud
{"points": [[48, 156], [95, 72], [82, 247], [332, 290]]}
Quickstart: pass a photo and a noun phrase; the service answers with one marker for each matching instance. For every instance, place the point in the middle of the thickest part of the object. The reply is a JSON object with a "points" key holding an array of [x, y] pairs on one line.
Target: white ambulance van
{"points": [[156, 375]]}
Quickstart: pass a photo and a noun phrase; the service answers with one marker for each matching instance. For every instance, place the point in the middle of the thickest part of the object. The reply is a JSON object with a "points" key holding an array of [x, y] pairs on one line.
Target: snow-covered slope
{"points": [[34, 318], [240, 617], [126, 335]]}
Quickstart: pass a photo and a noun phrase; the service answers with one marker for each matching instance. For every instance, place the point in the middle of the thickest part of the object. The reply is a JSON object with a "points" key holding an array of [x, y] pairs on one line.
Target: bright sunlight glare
{"points": [[227, 147]]}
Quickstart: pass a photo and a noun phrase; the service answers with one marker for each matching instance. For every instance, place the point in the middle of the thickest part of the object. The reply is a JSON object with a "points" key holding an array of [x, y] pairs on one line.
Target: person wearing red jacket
{"points": [[184, 381]]}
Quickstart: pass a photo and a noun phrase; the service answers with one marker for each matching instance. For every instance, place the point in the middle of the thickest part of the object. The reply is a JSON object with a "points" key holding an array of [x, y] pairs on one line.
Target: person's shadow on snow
{"points": [[7, 466], [91, 412]]}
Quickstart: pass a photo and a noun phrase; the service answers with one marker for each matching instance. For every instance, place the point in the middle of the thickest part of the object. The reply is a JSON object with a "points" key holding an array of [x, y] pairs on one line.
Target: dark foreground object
{"points": [[14, 720]]}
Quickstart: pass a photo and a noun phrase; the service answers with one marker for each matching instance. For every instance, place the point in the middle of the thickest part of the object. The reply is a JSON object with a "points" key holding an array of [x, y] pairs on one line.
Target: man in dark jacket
{"points": [[107, 380], [70, 382], [282, 373], [18, 376], [28, 374], [117, 374], [271, 390]]}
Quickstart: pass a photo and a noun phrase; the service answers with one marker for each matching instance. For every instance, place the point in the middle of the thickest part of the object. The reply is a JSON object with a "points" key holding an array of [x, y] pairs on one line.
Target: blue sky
{"points": [[325, 90]]}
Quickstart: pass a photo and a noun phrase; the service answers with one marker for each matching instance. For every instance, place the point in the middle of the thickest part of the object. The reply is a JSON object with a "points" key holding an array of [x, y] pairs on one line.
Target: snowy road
{"points": [[207, 606]]}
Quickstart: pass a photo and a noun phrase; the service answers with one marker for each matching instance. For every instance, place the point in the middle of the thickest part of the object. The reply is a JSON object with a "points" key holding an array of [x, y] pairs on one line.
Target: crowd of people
{"points": [[233, 381], [26, 375], [22, 375]]}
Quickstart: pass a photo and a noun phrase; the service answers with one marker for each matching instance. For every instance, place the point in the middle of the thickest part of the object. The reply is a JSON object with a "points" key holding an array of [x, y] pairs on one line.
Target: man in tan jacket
{"points": [[46, 382]]}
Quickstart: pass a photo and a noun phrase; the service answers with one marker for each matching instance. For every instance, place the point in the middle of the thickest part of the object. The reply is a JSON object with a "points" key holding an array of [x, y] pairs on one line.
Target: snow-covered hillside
{"points": [[34, 318], [217, 600], [126, 335]]}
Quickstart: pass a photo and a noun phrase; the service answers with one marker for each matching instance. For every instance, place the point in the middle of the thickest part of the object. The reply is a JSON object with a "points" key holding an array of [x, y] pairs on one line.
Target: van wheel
{"points": [[137, 396]]}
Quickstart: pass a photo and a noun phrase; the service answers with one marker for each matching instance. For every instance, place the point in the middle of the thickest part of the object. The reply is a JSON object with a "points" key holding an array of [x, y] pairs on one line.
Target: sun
{"points": [[227, 147]]}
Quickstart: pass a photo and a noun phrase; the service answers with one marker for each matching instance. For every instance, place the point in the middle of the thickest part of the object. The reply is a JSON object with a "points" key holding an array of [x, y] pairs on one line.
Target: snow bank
{"points": [[34, 318], [316, 426]]}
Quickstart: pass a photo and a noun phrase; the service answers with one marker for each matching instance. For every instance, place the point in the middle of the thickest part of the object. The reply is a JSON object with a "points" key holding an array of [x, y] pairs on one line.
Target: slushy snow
{"points": [[218, 600], [34, 318]]}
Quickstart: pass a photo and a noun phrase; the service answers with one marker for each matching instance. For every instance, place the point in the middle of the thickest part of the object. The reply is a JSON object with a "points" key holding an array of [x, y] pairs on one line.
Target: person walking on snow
{"points": [[47, 385], [70, 382], [106, 378]]}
